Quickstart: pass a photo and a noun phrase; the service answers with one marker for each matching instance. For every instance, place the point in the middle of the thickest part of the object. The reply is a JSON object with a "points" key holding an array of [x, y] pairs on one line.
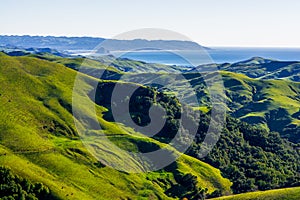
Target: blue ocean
{"points": [[213, 55]]}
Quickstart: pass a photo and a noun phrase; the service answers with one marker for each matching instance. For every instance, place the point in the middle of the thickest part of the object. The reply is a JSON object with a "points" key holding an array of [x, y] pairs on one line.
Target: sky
{"points": [[243, 23]]}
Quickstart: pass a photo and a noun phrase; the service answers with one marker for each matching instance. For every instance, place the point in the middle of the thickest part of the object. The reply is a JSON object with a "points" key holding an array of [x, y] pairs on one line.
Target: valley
{"points": [[39, 141]]}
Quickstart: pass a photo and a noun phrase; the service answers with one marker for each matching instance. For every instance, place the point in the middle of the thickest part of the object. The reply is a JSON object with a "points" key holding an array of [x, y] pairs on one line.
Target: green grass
{"points": [[272, 104], [206, 175], [261, 68], [39, 141], [280, 194]]}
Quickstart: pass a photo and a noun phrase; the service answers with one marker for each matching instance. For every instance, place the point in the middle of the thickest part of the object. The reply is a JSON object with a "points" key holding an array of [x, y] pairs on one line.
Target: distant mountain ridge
{"points": [[90, 43]]}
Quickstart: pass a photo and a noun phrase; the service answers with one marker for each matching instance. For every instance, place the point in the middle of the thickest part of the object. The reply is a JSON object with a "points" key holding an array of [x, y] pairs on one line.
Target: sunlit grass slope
{"points": [[280, 194], [38, 140]]}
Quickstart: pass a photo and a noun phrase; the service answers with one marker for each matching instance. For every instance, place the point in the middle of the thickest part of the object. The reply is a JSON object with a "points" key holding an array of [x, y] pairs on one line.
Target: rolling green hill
{"points": [[253, 158], [272, 104], [39, 142], [266, 69], [280, 194], [261, 68]]}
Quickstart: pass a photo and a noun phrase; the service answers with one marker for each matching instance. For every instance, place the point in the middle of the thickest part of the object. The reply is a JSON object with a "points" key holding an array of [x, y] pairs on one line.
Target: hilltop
{"points": [[38, 141], [269, 103], [261, 68], [37, 131]]}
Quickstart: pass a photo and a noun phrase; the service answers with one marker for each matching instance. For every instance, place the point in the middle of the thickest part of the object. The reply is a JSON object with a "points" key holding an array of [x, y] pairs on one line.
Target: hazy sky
{"points": [[208, 22]]}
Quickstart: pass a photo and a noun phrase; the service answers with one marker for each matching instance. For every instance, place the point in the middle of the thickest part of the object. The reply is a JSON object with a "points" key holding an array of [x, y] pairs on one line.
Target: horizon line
{"points": [[209, 46]]}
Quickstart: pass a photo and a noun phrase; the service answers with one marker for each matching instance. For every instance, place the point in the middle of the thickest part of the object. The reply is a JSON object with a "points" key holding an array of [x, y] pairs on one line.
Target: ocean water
{"points": [[213, 55]]}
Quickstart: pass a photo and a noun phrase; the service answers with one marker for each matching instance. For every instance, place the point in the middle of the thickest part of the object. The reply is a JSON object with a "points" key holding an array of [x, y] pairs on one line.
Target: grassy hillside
{"points": [[251, 157], [38, 141], [280, 194], [271, 104], [37, 131], [261, 68], [266, 69]]}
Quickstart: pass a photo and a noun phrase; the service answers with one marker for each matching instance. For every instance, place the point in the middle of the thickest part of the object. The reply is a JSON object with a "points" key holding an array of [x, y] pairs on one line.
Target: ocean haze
{"points": [[217, 54]]}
